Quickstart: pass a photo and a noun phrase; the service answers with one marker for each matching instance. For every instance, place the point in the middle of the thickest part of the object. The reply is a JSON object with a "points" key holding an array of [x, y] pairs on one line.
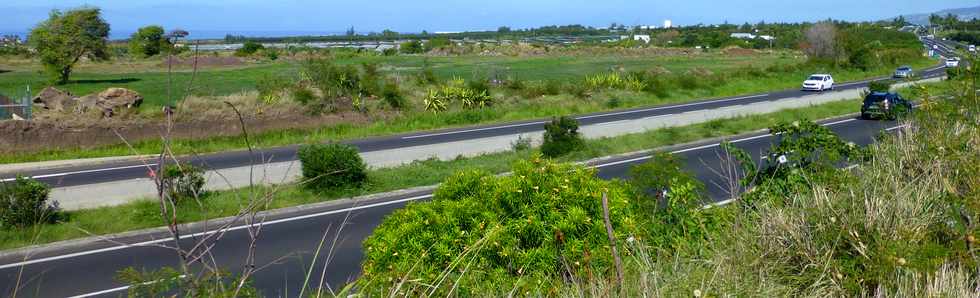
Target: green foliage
{"points": [[521, 144], [438, 100], [272, 87], [147, 42], [167, 281], [331, 166], [393, 96], [880, 86], [561, 137], [614, 80], [426, 76], [24, 203], [271, 54], [303, 95], [65, 37], [249, 48], [806, 152], [333, 80], [411, 47], [522, 231], [437, 43], [183, 182]]}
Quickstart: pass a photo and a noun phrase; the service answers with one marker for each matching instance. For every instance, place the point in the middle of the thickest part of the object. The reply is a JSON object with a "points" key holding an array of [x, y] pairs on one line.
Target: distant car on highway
{"points": [[953, 62], [903, 72], [884, 105], [819, 82]]}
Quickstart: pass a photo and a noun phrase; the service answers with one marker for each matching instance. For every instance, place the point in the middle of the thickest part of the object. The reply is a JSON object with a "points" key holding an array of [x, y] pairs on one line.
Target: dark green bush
{"points": [[249, 48], [331, 166], [479, 85], [880, 86], [393, 96], [426, 76], [613, 103], [303, 95], [183, 182], [24, 203], [522, 231], [561, 136], [412, 47]]}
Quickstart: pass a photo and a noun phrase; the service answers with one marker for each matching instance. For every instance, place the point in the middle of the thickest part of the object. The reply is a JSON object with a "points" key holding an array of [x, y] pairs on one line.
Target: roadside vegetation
{"points": [[902, 223], [145, 214], [300, 95]]}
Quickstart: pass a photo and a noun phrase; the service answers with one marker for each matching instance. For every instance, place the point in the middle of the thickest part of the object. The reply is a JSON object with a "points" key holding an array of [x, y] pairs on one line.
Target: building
{"points": [[743, 35], [668, 24], [642, 37]]}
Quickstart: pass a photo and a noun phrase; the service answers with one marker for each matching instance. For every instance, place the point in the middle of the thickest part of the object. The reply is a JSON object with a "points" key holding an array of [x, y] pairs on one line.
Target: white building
{"points": [[668, 24], [642, 37], [743, 35]]}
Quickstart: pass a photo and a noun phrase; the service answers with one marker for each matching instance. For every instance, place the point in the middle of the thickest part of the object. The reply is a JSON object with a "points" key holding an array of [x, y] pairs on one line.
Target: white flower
{"points": [[630, 239], [783, 159], [697, 293]]}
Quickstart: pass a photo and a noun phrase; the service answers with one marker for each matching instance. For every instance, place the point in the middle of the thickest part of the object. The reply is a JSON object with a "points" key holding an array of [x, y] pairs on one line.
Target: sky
{"points": [[243, 16]]}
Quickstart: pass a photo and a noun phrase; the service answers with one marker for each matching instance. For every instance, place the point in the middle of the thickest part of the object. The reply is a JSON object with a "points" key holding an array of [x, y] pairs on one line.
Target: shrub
{"points": [[438, 100], [393, 96], [613, 103], [332, 80], [522, 231], [412, 47], [331, 166], [521, 144], [479, 85], [249, 48], [614, 80], [426, 76], [183, 182], [24, 202], [561, 136], [303, 95], [880, 86], [271, 87]]}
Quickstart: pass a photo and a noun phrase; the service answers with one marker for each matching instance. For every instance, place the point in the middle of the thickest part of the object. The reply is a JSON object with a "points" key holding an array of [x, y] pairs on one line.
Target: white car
{"points": [[953, 62], [819, 82]]}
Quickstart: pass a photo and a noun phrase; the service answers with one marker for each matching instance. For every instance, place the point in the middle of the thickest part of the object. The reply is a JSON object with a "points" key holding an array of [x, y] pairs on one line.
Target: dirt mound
{"points": [[53, 99], [202, 61]]}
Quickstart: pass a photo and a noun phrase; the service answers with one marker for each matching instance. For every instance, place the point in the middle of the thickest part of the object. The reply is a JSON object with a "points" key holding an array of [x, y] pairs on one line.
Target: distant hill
{"points": [[966, 13]]}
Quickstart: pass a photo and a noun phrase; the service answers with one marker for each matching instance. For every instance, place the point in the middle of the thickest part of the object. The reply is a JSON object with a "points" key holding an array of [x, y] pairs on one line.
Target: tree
{"points": [[147, 41], [503, 29], [821, 40], [65, 37], [249, 48], [351, 32], [411, 47]]}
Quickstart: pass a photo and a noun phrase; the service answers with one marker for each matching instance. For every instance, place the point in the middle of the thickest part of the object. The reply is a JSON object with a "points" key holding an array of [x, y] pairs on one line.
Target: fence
{"points": [[16, 109]]}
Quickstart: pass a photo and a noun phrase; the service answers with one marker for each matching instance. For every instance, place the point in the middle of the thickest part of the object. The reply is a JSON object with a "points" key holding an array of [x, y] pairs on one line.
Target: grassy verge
{"points": [[145, 214], [512, 108]]}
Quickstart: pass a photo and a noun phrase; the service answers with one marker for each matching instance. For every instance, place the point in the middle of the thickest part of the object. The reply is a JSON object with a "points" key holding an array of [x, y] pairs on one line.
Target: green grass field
{"points": [[153, 83], [145, 214]]}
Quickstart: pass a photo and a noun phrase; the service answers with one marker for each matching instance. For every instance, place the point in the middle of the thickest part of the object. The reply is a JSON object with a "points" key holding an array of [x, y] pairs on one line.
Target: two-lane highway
{"points": [[123, 170], [289, 241]]}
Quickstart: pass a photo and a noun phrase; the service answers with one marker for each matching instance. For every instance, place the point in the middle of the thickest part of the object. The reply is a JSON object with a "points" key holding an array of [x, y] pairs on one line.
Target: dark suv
{"points": [[884, 105]]}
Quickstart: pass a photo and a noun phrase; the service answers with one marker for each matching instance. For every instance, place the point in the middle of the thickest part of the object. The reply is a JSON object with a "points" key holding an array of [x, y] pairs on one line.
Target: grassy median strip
{"points": [[145, 214], [512, 107]]}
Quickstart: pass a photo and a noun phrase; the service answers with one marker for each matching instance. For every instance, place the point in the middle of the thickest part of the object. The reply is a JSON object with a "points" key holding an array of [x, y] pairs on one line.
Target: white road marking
{"points": [[81, 172], [123, 288]]}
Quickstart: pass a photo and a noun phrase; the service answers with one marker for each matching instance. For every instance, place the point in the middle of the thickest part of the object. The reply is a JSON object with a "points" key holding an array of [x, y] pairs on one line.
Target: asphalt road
{"points": [[287, 243], [117, 171]]}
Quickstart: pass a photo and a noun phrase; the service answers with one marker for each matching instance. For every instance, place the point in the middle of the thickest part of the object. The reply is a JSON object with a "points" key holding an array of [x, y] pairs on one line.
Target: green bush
{"points": [[880, 86], [303, 95], [331, 79], [249, 48], [479, 85], [331, 166], [523, 231], [24, 202], [561, 136], [271, 87], [183, 182], [426, 76], [393, 96], [412, 47]]}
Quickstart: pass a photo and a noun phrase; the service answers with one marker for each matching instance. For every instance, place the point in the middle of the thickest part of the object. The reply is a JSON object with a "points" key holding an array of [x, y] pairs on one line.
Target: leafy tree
{"points": [[503, 29], [412, 47], [561, 136], [65, 37], [249, 48], [147, 41]]}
